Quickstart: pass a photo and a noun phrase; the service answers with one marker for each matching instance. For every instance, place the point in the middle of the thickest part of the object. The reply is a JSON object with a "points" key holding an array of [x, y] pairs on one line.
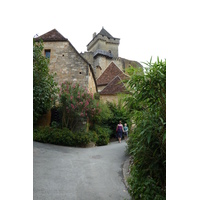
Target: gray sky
{"points": [[168, 29], [140, 25]]}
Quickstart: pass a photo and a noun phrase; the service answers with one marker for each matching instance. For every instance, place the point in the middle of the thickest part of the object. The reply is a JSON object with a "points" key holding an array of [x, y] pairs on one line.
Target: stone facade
{"points": [[68, 65], [66, 62], [102, 50], [91, 83], [84, 68], [109, 98], [104, 41]]}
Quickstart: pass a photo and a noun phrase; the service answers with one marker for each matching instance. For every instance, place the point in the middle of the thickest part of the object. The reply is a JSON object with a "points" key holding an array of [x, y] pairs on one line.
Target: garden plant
{"points": [[147, 142], [44, 87]]}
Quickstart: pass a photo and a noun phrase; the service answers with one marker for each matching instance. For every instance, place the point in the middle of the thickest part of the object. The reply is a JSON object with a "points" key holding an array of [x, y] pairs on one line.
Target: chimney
{"points": [[94, 34]]}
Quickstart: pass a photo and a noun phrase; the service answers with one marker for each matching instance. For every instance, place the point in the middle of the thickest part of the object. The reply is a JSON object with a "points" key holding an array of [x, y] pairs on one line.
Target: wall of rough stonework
{"points": [[67, 63], [88, 56], [105, 46], [103, 43], [104, 62], [125, 63], [109, 98], [100, 88], [91, 83]]}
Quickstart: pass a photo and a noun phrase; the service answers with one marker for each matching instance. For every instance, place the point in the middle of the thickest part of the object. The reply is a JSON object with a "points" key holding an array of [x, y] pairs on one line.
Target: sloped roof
{"points": [[52, 35], [103, 32], [115, 86], [110, 73]]}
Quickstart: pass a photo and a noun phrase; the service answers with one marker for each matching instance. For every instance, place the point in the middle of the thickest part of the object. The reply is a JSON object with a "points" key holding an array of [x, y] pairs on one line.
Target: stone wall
{"points": [[125, 63], [68, 64], [100, 88], [109, 98], [104, 62], [104, 43], [91, 83], [88, 56]]}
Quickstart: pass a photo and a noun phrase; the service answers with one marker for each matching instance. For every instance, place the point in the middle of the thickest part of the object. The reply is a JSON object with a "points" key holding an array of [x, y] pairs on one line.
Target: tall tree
{"points": [[44, 86]]}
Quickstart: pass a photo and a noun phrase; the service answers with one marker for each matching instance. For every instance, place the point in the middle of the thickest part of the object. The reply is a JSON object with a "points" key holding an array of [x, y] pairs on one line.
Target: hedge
{"points": [[63, 136]]}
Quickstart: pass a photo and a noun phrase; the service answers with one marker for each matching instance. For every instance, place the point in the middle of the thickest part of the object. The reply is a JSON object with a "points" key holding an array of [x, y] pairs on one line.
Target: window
{"points": [[47, 53]]}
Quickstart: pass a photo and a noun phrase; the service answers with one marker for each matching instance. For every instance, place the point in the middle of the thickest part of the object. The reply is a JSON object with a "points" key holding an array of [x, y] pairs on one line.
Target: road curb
{"points": [[126, 171]]}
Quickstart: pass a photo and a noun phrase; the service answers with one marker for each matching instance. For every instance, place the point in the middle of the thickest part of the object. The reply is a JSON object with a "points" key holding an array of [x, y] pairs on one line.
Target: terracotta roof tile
{"points": [[110, 72], [52, 35], [115, 86]]}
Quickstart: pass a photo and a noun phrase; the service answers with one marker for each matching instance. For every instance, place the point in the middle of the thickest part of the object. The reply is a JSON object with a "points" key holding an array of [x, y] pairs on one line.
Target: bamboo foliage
{"points": [[147, 144]]}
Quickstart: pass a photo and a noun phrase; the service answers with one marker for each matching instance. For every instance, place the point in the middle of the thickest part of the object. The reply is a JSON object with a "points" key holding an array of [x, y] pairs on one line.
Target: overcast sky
{"points": [[140, 25], [168, 29]]}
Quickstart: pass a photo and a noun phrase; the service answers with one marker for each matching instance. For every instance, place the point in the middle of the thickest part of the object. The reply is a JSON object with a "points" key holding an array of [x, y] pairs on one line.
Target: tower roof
{"points": [[51, 36], [103, 33]]}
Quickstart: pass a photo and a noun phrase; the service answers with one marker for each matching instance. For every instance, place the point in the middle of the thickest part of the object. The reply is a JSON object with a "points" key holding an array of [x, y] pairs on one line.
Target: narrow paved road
{"points": [[68, 173]]}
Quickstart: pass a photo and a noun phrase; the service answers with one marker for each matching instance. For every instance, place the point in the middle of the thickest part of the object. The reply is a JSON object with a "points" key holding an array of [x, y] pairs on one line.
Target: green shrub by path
{"points": [[77, 104], [103, 134], [147, 144], [119, 113], [63, 136], [45, 88], [144, 187], [103, 139]]}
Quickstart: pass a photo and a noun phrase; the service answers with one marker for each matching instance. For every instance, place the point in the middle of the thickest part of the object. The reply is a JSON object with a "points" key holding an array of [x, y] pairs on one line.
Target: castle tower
{"points": [[102, 50], [104, 44]]}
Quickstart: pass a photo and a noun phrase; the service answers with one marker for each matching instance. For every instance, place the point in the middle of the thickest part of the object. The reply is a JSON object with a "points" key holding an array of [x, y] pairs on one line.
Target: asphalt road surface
{"points": [[70, 173]]}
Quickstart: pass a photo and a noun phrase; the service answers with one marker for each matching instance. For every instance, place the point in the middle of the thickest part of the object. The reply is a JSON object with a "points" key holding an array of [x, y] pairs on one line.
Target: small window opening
{"points": [[63, 55], [47, 53], [79, 72]]}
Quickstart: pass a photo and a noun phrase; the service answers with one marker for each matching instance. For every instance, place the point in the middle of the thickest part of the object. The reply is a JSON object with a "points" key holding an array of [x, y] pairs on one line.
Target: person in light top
{"points": [[125, 132]]}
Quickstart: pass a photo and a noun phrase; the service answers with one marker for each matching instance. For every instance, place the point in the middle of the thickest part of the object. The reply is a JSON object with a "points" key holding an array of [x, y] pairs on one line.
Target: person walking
{"points": [[120, 130], [125, 132]]}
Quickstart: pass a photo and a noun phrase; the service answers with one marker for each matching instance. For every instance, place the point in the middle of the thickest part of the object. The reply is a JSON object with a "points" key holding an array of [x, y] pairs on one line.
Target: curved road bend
{"points": [[69, 173]]}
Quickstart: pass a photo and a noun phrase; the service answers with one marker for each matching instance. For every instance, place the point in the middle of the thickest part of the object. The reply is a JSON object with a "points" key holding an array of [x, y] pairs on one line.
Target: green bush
{"points": [[77, 105], [147, 144], [83, 138], [63, 136], [103, 139], [119, 112], [103, 134], [54, 136], [45, 88], [141, 187]]}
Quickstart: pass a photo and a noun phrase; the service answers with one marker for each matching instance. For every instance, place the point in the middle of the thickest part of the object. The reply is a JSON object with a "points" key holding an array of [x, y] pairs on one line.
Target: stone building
{"points": [[102, 50], [66, 62], [102, 54], [110, 83], [98, 69]]}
